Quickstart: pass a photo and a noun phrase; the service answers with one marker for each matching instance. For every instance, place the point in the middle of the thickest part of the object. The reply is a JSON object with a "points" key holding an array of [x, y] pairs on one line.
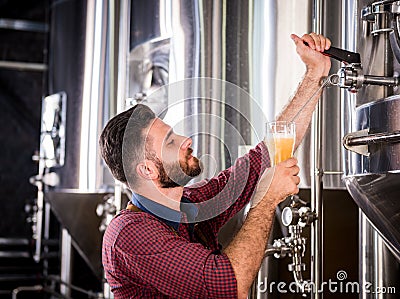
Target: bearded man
{"points": [[157, 247]]}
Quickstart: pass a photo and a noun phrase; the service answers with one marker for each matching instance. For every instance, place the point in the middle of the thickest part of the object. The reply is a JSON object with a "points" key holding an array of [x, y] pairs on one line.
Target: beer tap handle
{"points": [[342, 55]]}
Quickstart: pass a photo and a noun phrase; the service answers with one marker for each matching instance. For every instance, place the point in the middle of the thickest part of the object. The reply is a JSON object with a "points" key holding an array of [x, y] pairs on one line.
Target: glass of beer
{"points": [[280, 139]]}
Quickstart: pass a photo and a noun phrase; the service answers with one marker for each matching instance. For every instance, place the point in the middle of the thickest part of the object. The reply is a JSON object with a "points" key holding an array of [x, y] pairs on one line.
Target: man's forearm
{"points": [[246, 251], [301, 106]]}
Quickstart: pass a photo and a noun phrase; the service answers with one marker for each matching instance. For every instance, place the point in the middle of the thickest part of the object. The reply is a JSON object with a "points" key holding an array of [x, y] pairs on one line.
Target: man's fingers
{"points": [[309, 40], [295, 169], [327, 43], [315, 41], [296, 180], [295, 38], [299, 42], [289, 162]]}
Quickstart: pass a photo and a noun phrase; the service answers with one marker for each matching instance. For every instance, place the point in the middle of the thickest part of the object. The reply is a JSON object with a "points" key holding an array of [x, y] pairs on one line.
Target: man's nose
{"points": [[187, 142]]}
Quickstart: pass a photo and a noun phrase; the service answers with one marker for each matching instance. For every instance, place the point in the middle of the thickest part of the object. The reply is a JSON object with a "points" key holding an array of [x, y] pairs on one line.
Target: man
{"points": [[156, 248]]}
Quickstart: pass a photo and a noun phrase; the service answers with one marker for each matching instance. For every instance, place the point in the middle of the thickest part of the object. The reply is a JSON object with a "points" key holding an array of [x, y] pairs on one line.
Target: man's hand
{"points": [[284, 182], [277, 183], [316, 63]]}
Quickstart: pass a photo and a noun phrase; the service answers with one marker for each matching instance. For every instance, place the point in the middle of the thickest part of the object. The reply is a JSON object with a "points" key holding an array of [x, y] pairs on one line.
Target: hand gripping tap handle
{"points": [[342, 55]]}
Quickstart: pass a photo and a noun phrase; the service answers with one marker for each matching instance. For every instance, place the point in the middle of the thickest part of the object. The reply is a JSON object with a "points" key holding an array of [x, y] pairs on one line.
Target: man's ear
{"points": [[147, 170]]}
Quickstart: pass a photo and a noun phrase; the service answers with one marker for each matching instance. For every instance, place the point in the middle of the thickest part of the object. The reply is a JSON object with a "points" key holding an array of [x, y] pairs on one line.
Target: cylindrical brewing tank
{"points": [[78, 66], [81, 66], [373, 180]]}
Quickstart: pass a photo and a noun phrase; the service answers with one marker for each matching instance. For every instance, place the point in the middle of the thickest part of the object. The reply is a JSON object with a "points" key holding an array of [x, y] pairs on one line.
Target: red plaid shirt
{"points": [[146, 256]]}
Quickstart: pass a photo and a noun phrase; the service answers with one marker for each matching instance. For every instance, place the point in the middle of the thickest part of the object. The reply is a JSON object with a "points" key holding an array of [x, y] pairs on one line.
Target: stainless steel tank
{"points": [[72, 179], [373, 180], [371, 116]]}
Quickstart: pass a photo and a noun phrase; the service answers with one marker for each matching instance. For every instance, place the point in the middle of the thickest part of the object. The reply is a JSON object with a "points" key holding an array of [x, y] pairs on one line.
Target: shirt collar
{"points": [[168, 216]]}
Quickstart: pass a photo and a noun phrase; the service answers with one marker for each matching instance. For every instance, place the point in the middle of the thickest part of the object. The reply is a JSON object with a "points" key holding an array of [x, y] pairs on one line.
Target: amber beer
{"points": [[280, 140]]}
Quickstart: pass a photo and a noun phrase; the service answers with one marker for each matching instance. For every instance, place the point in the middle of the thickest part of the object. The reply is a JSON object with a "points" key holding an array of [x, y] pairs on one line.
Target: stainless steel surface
{"points": [[23, 66], [380, 80], [377, 196], [82, 67], [330, 106], [149, 56], [13, 241], [316, 175], [66, 264], [52, 135], [386, 138], [383, 156], [393, 137], [34, 288], [23, 25], [79, 65], [123, 50], [37, 225], [14, 254], [123, 21], [149, 71], [77, 213], [376, 53], [351, 76], [371, 173], [226, 58], [377, 263]]}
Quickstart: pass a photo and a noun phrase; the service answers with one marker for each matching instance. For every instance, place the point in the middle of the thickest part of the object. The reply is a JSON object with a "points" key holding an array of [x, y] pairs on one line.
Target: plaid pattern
{"points": [[143, 257]]}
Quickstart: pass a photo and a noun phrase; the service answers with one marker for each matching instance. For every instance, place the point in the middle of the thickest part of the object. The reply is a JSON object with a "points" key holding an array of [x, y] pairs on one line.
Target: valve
{"points": [[294, 216], [351, 75]]}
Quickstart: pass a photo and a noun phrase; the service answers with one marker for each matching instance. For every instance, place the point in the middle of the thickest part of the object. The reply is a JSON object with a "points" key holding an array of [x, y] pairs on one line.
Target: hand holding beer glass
{"points": [[280, 139]]}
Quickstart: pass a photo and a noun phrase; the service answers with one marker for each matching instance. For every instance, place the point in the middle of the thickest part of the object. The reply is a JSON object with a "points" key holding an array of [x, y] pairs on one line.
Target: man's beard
{"points": [[177, 174]]}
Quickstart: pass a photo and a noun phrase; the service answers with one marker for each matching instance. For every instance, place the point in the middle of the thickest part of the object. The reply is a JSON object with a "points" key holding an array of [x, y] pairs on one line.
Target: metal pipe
{"points": [[90, 294], [14, 254], [122, 87], [46, 237], [392, 137], [13, 241], [23, 66], [93, 94], [16, 291], [66, 250], [380, 80], [23, 25], [316, 175], [123, 12], [37, 234], [272, 250]]}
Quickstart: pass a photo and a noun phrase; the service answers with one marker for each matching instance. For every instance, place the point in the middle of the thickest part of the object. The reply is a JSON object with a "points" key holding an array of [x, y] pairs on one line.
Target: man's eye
{"points": [[171, 142]]}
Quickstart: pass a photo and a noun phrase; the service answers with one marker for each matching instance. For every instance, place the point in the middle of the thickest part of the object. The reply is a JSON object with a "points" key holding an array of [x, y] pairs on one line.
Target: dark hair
{"points": [[124, 134]]}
